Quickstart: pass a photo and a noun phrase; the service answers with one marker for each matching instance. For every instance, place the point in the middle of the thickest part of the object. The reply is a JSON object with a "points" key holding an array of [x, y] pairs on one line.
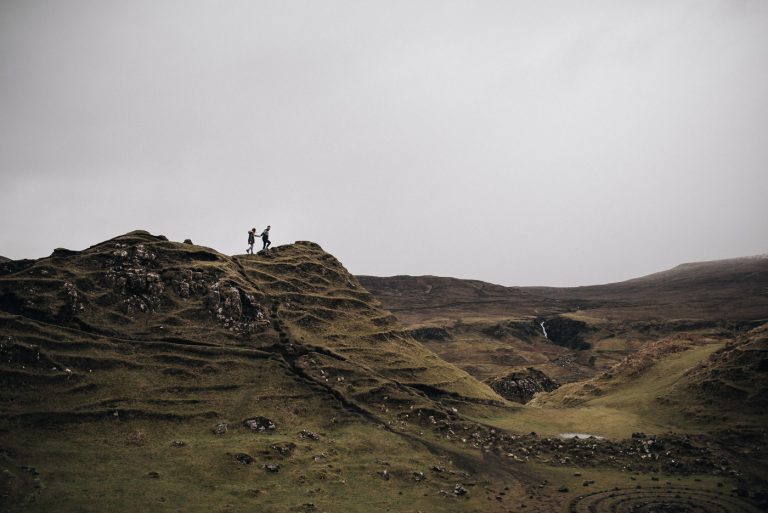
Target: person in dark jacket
{"points": [[265, 238], [251, 240]]}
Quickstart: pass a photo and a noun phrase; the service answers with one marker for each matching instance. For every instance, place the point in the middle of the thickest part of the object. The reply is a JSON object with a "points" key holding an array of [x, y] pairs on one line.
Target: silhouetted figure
{"points": [[265, 238], [251, 240]]}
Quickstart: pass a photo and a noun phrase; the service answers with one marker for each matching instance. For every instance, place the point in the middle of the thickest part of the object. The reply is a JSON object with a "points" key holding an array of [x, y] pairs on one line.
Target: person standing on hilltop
{"points": [[265, 238], [251, 240]]}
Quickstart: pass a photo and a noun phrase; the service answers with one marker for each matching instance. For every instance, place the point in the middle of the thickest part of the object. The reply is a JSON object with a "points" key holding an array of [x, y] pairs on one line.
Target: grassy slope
{"points": [[311, 351], [660, 388], [628, 407], [93, 398]]}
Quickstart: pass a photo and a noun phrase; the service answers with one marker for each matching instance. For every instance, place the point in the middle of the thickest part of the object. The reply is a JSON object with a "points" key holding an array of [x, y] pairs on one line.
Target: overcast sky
{"points": [[517, 142]]}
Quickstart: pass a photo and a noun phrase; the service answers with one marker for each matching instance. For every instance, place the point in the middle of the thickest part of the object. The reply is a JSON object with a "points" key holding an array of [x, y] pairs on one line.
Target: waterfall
{"points": [[543, 329]]}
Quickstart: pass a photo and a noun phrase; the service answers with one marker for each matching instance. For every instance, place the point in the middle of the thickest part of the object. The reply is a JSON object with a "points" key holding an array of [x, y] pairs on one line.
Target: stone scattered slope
{"points": [[146, 306], [161, 376]]}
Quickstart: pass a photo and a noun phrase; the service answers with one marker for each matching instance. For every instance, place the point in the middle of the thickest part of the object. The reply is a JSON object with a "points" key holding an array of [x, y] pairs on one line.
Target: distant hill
{"points": [[416, 298], [489, 329], [3, 259], [734, 289]]}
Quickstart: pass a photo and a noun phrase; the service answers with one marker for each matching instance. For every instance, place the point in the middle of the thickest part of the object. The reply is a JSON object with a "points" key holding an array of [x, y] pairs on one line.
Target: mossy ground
{"points": [[127, 466], [94, 398]]}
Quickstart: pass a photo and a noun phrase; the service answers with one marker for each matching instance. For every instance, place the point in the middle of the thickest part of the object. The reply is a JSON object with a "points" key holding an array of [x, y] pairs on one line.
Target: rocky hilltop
{"points": [[294, 301], [155, 351]]}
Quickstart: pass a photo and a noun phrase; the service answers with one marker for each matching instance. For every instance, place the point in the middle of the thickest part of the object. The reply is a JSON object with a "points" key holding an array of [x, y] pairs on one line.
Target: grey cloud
{"points": [[521, 143]]}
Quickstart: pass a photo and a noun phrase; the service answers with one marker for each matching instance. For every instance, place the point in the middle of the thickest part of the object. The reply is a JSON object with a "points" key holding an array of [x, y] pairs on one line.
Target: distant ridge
{"points": [[731, 289]]}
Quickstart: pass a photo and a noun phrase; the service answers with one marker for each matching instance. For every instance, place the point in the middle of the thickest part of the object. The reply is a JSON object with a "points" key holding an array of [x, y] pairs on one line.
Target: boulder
{"points": [[259, 424], [521, 386]]}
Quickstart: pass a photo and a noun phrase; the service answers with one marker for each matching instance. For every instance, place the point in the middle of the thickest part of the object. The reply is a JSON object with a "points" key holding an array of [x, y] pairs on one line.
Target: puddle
{"points": [[579, 435]]}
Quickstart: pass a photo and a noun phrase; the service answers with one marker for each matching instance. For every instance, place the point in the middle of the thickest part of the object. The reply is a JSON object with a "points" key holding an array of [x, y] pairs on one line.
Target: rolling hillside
{"points": [[138, 368], [486, 328], [147, 375], [734, 289]]}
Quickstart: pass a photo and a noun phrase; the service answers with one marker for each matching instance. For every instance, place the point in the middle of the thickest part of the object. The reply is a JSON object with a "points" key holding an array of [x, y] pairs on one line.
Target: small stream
{"points": [[543, 329]]}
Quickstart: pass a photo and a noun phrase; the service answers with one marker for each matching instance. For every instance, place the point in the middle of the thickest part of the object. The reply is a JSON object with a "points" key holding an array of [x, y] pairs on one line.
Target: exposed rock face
{"points": [[566, 332], [431, 333], [236, 309], [130, 271], [522, 330], [72, 304], [259, 424], [521, 386]]}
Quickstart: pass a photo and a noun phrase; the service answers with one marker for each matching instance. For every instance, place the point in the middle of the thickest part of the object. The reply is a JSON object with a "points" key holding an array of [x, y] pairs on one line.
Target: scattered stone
{"points": [[563, 489], [178, 443], [187, 241], [430, 333], [308, 435], [459, 490], [272, 467], [259, 424], [153, 475], [384, 474], [245, 459], [74, 303], [438, 468], [418, 476], [284, 449], [221, 428]]}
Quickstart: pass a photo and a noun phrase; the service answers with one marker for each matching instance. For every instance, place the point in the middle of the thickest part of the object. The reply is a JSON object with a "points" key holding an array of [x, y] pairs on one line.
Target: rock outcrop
{"points": [[520, 386]]}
